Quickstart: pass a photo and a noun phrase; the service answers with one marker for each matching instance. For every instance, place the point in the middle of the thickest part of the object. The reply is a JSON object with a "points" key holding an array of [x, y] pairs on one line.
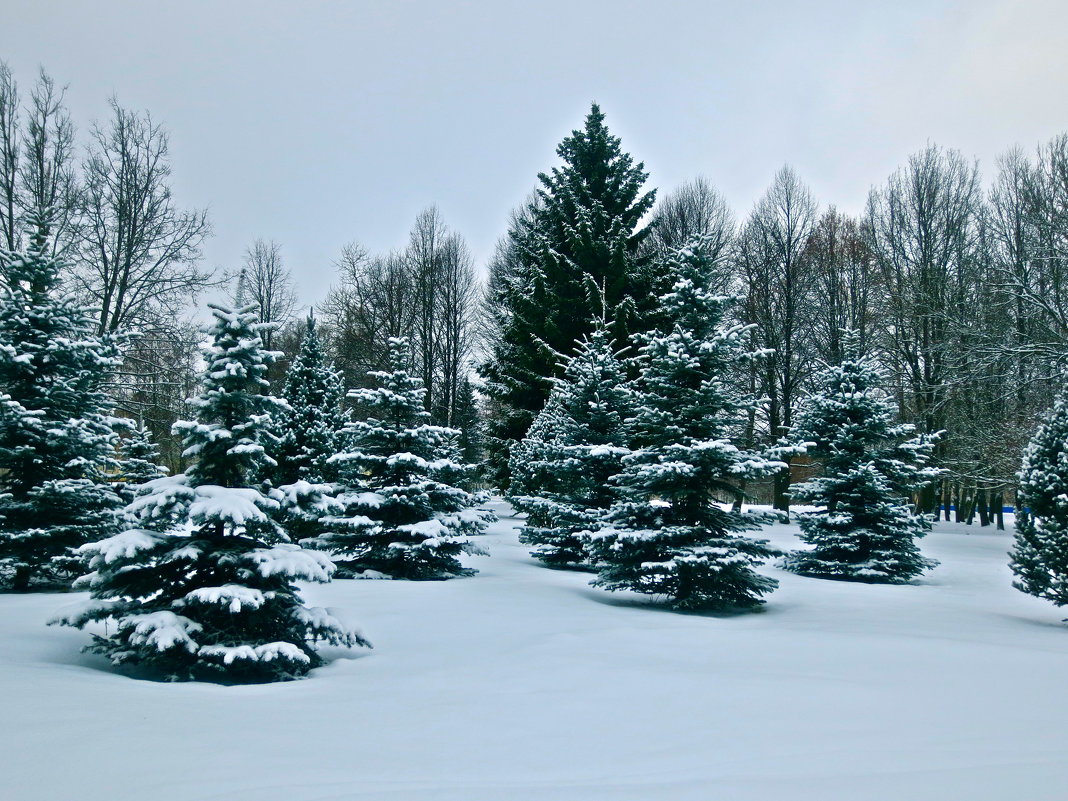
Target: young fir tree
{"points": [[138, 462], [57, 439], [669, 533], [469, 423], [204, 590], [865, 529], [310, 432], [561, 470], [404, 518], [1039, 557], [582, 231]]}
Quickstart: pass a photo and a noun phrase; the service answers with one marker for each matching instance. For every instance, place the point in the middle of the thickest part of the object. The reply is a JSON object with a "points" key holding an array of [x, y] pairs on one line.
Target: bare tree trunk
{"points": [[984, 508]]}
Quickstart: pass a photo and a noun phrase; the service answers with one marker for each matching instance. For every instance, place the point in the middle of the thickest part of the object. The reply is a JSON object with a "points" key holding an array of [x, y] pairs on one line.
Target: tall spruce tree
{"points": [[560, 471], [57, 438], [864, 529], [580, 238], [310, 432], [204, 589], [669, 533], [1039, 557], [405, 517]]}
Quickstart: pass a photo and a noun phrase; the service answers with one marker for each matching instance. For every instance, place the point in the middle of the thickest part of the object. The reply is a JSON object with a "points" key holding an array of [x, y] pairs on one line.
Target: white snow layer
{"points": [[524, 684]]}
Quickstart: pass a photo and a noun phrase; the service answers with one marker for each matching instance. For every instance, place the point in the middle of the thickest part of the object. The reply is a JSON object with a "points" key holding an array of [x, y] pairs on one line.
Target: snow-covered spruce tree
{"points": [[310, 432], [57, 440], [864, 529], [669, 534], [138, 462], [1039, 556], [561, 470], [204, 589], [404, 518]]}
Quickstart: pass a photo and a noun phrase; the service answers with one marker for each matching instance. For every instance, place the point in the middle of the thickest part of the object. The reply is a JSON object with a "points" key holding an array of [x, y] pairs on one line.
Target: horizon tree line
{"points": [[958, 289]]}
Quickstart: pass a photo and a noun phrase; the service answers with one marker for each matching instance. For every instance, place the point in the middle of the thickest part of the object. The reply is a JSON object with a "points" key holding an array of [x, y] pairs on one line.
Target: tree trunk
{"points": [[984, 508], [20, 582], [780, 486], [999, 510]]}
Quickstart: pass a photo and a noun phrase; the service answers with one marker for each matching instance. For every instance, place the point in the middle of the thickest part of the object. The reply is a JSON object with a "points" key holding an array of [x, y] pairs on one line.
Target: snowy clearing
{"points": [[523, 683]]}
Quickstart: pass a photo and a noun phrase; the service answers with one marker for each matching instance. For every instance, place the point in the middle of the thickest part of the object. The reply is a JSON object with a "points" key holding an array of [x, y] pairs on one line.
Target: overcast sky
{"points": [[321, 123]]}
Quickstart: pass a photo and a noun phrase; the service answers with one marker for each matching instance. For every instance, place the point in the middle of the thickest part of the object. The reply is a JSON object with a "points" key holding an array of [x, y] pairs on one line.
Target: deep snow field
{"points": [[523, 683]]}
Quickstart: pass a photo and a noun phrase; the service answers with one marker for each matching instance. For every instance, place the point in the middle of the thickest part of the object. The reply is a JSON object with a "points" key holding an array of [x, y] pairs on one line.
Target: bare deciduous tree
{"points": [[372, 301], [137, 253], [694, 209], [36, 160], [923, 228], [778, 286], [424, 255], [454, 339], [264, 282], [847, 284]]}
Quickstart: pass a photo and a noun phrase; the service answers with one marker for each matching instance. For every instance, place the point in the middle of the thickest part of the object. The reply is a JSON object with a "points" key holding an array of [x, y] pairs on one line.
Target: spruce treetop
{"points": [[579, 241], [599, 179]]}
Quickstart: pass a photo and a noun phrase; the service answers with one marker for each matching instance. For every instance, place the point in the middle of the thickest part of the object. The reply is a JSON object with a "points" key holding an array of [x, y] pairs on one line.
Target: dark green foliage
{"points": [[468, 422], [865, 530], [578, 246], [404, 515], [669, 534], [1040, 553], [205, 589], [56, 435]]}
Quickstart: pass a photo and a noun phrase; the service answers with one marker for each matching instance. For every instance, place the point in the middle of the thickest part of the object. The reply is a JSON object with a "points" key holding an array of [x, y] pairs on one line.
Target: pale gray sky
{"points": [[319, 123]]}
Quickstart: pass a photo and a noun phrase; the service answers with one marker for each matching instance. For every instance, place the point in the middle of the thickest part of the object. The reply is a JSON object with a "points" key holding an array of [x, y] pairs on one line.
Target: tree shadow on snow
{"points": [[659, 603]]}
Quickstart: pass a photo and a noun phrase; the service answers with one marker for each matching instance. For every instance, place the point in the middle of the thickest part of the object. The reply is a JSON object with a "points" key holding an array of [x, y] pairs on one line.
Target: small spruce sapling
{"points": [[309, 433], [138, 462]]}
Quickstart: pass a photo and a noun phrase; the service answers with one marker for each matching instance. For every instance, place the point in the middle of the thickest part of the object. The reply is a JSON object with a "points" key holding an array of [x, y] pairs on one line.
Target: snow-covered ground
{"points": [[523, 683]]}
